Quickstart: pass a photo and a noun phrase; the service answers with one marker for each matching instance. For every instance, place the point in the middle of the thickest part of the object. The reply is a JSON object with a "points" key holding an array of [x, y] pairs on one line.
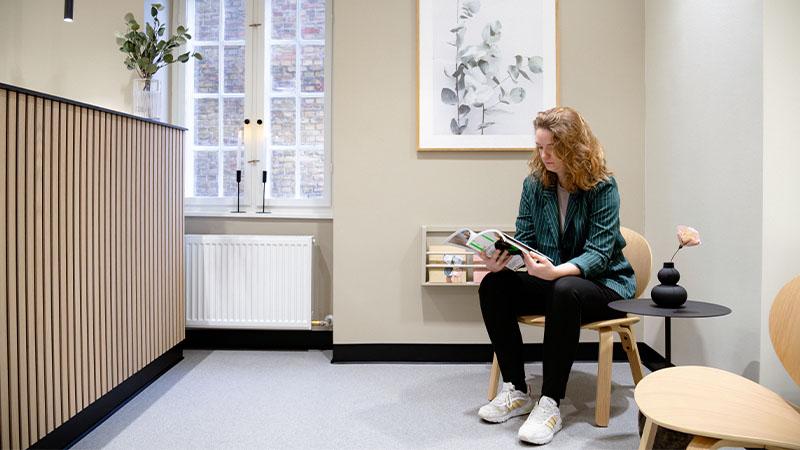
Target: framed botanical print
{"points": [[484, 68]]}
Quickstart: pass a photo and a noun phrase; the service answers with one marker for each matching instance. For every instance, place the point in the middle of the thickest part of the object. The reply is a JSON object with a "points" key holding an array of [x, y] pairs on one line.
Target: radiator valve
{"points": [[327, 322]]}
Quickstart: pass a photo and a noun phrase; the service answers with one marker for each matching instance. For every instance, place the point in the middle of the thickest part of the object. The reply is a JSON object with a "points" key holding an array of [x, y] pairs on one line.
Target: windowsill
{"points": [[272, 213]]}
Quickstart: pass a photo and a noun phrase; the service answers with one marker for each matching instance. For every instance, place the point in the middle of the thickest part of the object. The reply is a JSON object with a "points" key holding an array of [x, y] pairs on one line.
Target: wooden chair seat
{"points": [[722, 409], [720, 405], [538, 321]]}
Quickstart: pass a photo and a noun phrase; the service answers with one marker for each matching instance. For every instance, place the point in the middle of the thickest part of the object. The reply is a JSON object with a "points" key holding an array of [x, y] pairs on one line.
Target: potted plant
{"points": [[146, 51]]}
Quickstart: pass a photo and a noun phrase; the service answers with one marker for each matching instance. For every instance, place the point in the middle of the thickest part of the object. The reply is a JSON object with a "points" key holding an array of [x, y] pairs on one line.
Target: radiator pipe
{"points": [[327, 322]]}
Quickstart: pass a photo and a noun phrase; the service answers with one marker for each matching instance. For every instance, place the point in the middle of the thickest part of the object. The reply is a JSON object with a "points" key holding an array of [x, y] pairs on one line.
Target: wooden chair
{"points": [[638, 253], [722, 409]]}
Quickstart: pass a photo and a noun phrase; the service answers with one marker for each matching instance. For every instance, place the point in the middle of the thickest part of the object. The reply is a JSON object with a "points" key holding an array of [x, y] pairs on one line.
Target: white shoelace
{"points": [[504, 397]]}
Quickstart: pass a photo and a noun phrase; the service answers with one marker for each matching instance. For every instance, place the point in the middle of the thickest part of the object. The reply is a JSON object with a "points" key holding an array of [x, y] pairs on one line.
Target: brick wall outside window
{"points": [[295, 97]]}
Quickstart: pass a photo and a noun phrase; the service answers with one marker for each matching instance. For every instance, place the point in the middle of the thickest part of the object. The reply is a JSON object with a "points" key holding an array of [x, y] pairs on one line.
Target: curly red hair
{"points": [[575, 145]]}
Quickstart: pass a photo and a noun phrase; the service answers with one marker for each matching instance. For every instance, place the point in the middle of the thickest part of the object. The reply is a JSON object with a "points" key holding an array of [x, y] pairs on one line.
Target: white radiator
{"points": [[248, 281]]}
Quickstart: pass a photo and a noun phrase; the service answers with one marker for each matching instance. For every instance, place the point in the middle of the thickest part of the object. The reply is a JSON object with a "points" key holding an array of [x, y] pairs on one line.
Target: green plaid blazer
{"points": [[591, 239]]}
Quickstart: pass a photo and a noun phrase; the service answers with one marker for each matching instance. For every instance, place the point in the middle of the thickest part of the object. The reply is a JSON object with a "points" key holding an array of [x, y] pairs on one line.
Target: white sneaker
{"points": [[542, 423], [507, 404]]}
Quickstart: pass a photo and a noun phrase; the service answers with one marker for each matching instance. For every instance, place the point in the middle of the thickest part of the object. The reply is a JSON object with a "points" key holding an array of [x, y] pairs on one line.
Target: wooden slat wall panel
{"points": [[91, 262], [47, 270], [5, 403], [69, 260], [38, 210], [28, 306], [14, 372], [81, 242]]}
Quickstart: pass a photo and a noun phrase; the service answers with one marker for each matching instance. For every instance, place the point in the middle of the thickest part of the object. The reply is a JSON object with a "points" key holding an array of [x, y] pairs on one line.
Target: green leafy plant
{"points": [[146, 50]]}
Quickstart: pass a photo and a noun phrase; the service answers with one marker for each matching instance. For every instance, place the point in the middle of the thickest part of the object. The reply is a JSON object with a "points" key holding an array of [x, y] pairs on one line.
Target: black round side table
{"points": [[690, 309]]}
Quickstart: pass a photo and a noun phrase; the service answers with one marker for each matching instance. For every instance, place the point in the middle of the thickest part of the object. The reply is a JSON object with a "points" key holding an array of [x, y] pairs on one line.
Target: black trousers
{"points": [[566, 303]]}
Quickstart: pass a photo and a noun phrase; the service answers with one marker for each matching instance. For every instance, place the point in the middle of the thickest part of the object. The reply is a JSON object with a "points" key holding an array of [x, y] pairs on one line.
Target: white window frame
{"points": [[258, 81]]}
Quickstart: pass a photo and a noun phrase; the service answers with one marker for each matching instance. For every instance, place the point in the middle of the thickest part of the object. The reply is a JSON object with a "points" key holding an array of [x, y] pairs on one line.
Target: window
{"points": [[257, 101]]}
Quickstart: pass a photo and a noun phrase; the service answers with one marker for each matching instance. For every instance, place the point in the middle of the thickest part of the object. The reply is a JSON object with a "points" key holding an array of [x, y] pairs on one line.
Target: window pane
{"points": [[312, 173], [234, 69], [234, 19], [205, 174], [206, 19], [312, 122], [283, 68], [283, 121], [206, 121], [282, 174], [284, 18], [313, 75], [206, 71], [232, 120], [231, 161], [295, 97], [312, 19]]}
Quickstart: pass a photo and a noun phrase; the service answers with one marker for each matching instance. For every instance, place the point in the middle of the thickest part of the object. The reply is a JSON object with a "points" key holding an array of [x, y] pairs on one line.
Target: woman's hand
{"points": [[497, 261], [540, 267]]}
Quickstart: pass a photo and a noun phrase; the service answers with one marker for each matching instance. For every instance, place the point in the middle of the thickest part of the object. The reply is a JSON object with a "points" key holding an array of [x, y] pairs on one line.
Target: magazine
{"points": [[488, 241]]}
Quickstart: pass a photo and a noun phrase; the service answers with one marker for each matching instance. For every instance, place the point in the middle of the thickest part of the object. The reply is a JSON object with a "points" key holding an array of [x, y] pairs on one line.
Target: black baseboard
{"points": [[87, 419], [229, 339], [239, 339], [469, 353]]}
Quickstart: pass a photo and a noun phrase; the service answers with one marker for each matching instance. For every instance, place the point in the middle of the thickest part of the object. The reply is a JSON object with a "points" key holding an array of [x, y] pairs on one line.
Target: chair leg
{"points": [[628, 339], [648, 435], [494, 378], [602, 409], [708, 443], [703, 443]]}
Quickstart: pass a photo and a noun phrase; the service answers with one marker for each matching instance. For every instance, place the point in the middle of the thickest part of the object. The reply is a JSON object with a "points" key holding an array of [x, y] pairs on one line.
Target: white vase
{"points": [[147, 98]]}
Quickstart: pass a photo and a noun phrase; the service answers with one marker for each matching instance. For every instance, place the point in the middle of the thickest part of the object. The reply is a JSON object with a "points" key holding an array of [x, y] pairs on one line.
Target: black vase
{"points": [[668, 294]]}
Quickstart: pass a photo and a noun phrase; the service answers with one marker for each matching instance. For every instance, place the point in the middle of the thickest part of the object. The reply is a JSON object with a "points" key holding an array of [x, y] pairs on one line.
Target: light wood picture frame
{"points": [[484, 69]]}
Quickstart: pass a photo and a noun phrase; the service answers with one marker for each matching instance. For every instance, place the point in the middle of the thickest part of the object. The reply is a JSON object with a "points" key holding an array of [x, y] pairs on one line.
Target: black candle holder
{"points": [[263, 193], [238, 190]]}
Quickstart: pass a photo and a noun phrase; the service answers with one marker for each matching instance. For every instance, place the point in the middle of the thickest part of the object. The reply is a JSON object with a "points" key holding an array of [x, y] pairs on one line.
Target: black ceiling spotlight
{"points": [[68, 10]]}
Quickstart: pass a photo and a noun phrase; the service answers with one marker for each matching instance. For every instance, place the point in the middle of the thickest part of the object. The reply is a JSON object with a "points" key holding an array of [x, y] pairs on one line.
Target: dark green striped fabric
{"points": [[591, 239]]}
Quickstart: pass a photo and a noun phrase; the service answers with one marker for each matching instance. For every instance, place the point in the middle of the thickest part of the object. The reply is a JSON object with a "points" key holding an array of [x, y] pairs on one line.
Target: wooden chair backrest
{"points": [[784, 327], [638, 253]]}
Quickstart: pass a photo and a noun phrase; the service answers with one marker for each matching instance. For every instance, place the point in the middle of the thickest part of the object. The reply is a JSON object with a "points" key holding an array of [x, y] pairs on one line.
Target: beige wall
{"points": [[78, 60], [703, 169], [781, 217], [383, 187], [322, 230], [8, 16]]}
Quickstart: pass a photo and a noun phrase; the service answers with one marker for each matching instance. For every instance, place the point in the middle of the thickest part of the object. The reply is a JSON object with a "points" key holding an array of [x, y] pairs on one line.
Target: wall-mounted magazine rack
{"points": [[447, 265]]}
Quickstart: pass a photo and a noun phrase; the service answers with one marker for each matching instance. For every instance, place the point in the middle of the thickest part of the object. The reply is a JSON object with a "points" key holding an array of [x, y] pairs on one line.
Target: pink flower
{"points": [[687, 237]]}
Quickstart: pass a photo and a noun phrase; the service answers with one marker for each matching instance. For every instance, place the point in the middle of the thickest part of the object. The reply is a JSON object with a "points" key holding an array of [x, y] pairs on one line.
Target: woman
{"points": [[569, 211]]}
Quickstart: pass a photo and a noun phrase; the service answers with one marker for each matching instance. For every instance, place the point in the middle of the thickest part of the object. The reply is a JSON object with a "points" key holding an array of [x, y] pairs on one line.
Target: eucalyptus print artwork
{"points": [[486, 81]]}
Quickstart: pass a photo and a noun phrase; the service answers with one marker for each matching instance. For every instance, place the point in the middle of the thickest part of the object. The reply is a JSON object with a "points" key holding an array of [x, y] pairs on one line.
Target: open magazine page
{"points": [[489, 241], [461, 238], [484, 241], [522, 246]]}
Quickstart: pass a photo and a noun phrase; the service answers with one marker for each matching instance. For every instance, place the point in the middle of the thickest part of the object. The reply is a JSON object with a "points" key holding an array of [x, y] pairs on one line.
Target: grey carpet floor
{"points": [[251, 399]]}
